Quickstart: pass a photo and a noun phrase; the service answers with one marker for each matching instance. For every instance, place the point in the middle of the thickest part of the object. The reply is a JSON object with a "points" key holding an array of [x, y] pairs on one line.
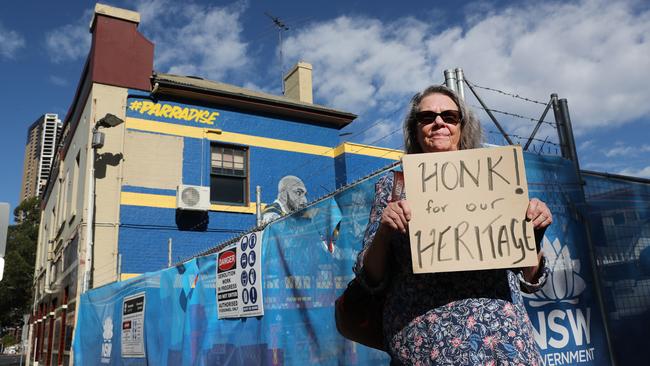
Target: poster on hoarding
{"points": [[227, 289], [133, 326], [239, 285], [469, 210]]}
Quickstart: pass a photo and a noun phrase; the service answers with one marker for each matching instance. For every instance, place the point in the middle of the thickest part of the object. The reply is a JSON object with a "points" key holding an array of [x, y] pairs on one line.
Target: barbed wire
{"points": [[552, 124], [545, 148], [519, 137], [507, 93]]}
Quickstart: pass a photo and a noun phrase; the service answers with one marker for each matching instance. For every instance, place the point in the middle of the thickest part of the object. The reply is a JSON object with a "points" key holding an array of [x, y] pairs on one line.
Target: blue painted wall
{"points": [[358, 166], [145, 231]]}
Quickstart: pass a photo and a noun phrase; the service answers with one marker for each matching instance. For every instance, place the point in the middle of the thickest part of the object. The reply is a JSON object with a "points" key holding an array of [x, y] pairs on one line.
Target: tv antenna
{"points": [[279, 24]]}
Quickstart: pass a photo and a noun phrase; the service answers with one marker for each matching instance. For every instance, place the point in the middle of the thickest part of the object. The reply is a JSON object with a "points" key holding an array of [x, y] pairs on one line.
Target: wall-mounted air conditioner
{"points": [[195, 198]]}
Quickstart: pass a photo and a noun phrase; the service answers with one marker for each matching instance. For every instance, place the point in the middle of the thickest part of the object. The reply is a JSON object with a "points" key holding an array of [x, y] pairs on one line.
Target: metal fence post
{"points": [[569, 147], [559, 120]]}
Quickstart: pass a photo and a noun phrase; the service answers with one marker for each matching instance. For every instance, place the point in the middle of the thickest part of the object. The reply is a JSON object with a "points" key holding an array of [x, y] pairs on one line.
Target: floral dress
{"points": [[454, 318]]}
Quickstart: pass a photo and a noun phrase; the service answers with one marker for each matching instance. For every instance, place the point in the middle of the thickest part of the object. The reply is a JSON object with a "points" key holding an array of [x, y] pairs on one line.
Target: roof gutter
{"points": [[253, 103]]}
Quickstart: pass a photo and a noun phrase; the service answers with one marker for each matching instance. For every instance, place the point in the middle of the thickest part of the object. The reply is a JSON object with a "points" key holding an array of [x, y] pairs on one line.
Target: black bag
{"points": [[359, 316], [359, 313]]}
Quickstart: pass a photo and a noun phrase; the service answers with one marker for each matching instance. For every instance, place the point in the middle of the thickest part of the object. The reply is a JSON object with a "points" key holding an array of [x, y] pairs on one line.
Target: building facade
{"points": [[42, 139], [154, 168]]}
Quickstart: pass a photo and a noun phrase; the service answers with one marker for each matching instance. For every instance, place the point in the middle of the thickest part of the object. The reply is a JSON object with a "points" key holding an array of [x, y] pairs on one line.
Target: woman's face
{"points": [[438, 136]]}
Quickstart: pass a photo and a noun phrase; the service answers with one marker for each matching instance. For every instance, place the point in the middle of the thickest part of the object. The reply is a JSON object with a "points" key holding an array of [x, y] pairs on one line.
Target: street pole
{"points": [[169, 252], [119, 267]]}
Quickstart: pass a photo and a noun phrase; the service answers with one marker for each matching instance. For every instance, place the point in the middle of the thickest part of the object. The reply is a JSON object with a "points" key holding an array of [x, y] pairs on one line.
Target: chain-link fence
{"points": [[619, 215]]}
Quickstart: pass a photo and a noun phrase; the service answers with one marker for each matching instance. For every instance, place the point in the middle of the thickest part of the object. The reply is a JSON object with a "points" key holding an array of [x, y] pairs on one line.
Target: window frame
{"points": [[245, 177]]}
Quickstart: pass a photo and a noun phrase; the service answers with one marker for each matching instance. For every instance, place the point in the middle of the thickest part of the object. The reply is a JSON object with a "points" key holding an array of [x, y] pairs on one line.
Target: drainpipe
{"points": [[90, 218], [258, 203]]}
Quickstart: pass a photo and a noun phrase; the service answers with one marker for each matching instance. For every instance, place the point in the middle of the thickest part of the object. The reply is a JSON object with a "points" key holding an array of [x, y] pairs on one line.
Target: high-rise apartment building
{"points": [[42, 138]]}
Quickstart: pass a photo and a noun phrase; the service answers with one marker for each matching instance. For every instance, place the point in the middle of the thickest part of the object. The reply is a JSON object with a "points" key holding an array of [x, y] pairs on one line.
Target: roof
{"points": [[242, 98]]}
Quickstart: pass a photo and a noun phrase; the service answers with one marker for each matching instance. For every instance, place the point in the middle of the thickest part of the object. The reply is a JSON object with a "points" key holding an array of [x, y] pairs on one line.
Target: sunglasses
{"points": [[427, 117]]}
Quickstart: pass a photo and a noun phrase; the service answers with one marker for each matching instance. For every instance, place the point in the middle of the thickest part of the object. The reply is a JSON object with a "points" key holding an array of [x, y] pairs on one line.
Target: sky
{"points": [[369, 58]]}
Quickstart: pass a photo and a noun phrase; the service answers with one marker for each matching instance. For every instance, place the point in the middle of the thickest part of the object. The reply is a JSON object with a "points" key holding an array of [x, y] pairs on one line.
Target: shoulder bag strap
{"points": [[398, 185]]}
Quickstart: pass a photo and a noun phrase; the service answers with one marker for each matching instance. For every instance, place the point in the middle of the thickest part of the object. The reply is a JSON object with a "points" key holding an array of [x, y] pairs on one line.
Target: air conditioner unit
{"points": [[195, 198]]}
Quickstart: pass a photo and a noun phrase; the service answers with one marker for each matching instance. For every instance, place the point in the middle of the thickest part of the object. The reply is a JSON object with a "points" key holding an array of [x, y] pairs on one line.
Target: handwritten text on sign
{"points": [[468, 210]]}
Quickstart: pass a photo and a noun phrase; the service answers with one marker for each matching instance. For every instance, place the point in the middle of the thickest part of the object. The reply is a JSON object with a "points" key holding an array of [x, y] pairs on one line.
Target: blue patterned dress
{"points": [[454, 318]]}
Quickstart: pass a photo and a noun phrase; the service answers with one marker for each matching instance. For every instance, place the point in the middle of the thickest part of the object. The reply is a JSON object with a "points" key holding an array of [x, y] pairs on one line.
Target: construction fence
{"points": [[293, 270]]}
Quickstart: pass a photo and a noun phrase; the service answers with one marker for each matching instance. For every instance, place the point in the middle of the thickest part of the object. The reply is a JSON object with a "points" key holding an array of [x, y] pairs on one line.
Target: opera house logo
{"points": [[564, 284]]}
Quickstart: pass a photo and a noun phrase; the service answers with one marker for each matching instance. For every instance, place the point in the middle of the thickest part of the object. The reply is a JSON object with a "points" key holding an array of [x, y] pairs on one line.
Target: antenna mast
{"points": [[281, 27]]}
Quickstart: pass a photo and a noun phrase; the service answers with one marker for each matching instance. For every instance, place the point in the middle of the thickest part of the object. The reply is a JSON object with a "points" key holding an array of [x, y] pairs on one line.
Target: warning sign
{"points": [[133, 326], [239, 289], [227, 289]]}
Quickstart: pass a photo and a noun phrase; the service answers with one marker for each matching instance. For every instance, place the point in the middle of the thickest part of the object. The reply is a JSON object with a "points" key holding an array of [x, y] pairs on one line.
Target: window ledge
{"points": [[250, 209]]}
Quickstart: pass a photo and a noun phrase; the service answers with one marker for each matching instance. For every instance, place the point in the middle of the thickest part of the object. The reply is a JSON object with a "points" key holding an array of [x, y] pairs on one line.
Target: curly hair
{"points": [[471, 135]]}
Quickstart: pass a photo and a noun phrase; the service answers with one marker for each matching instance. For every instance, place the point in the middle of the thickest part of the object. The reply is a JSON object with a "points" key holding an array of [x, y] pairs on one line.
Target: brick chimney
{"points": [[119, 54], [297, 83]]}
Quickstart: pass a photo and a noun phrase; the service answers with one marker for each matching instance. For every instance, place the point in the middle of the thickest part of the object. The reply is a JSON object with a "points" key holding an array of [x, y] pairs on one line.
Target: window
{"points": [[229, 174]]}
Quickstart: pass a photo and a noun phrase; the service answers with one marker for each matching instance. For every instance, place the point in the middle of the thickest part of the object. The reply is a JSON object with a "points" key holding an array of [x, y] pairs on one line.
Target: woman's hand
{"points": [[540, 216], [396, 216]]}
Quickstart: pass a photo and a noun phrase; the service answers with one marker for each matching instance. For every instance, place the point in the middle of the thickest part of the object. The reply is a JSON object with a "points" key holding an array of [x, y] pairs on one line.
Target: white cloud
{"points": [[592, 52], [586, 145], [10, 42], [71, 41], [57, 80], [627, 151], [642, 172], [360, 63], [570, 50], [151, 10], [196, 40], [381, 133]]}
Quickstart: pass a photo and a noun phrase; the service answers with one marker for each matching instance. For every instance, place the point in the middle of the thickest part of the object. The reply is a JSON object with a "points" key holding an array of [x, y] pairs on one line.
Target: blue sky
{"points": [[368, 58]]}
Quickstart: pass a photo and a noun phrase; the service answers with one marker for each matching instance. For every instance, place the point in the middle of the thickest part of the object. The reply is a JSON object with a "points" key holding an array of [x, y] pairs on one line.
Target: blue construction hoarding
{"points": [[170, 317]]}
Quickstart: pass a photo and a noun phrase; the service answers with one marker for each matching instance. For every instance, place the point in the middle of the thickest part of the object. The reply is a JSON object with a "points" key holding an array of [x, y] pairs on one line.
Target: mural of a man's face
{"points": [[293, 193], [296, 197]]}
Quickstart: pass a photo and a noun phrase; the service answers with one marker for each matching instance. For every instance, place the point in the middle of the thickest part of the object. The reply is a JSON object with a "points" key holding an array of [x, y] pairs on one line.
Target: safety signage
{"points": [[239, 289], [133, 326]]}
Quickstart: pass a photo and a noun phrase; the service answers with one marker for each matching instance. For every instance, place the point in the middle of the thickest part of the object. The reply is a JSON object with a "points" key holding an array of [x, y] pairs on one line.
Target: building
{"points": [[154, 168], [42, 138]]}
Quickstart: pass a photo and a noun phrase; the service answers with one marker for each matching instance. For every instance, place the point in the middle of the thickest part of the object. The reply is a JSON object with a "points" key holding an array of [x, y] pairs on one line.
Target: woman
{"points": [[455, 318]]}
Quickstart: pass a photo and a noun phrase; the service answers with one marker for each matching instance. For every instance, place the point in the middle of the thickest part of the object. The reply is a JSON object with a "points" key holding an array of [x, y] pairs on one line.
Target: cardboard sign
{"points": [[468, 210]]}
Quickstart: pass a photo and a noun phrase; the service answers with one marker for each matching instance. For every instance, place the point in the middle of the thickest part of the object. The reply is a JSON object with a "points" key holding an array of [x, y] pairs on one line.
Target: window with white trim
{"points": [[229, 174]]}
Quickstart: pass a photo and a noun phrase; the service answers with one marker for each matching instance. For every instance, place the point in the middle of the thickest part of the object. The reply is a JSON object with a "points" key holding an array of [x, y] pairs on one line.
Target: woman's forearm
{"points": [[532, 274]]}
